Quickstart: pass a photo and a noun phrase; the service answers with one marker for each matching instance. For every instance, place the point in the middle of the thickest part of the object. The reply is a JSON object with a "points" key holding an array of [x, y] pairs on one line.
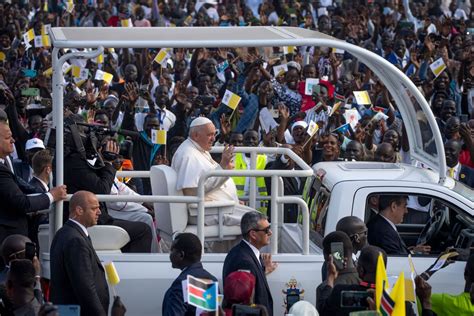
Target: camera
{"points": [[86, 139]]}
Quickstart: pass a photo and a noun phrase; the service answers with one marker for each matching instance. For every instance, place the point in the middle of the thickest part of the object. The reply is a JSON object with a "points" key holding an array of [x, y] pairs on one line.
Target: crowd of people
{"points": [[302, 98]]}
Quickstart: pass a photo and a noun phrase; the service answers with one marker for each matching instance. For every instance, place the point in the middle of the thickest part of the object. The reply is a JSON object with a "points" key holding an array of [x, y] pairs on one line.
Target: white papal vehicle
{"points": [[441, 209]]}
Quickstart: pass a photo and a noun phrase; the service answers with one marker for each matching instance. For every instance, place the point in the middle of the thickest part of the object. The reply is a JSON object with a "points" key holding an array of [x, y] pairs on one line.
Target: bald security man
{"points": [[77, 275]]}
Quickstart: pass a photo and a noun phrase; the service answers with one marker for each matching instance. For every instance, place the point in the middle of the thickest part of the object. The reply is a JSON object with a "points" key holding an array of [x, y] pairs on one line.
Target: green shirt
{"points": [[456, 305]]}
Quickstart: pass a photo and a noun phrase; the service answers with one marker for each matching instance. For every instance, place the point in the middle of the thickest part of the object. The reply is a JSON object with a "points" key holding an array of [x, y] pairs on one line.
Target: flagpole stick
{"points": [[231, 114], [113, 291], [307, 141]]}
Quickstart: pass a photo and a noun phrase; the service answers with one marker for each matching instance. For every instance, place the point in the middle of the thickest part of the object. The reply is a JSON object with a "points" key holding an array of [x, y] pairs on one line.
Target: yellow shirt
{"points": [[456, 305]]}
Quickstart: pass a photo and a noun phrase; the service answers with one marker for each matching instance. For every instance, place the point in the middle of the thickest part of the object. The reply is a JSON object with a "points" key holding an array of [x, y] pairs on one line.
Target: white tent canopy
{"points": [[423, 134]]}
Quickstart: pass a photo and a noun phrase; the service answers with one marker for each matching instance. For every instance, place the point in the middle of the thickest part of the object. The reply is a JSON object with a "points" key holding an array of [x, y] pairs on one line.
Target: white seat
{"points": [[108, 238], [176, 217], [104, 238]]}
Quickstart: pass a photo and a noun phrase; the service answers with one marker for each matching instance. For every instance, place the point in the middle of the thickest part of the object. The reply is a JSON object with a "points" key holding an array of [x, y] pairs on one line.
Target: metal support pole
{"points": [[253, 181], [200, 214], [281, 207], [274, 224], [58, 119]]}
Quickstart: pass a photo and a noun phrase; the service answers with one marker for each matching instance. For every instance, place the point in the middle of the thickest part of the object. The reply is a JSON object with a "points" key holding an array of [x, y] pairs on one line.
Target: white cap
{"points": [[303, 124], [200, 121], [34, 143]]}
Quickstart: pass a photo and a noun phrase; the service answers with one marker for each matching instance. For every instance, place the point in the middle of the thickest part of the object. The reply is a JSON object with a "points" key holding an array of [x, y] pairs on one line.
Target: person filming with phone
{"points": [[342, 299]]}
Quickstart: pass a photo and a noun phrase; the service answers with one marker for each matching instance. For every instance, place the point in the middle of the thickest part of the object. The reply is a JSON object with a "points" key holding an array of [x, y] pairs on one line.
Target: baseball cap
{"points": [[34, 143]]}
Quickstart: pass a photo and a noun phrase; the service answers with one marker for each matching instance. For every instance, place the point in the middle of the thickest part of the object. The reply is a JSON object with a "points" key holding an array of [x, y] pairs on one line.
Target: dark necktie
{"points": [[262, 263], [6, 163]]}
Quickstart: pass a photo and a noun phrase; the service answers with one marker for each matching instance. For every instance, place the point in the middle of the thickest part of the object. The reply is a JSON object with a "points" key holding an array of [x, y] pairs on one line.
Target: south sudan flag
{"points": [[386, 304], [202, 293]]}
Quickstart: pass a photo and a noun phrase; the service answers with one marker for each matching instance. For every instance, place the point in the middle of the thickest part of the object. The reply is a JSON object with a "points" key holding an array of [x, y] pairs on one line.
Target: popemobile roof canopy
{"points": [[423, 134]]}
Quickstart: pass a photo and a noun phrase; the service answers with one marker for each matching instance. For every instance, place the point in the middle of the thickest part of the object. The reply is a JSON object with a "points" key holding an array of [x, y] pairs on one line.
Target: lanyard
{"points": [[161, 118]]}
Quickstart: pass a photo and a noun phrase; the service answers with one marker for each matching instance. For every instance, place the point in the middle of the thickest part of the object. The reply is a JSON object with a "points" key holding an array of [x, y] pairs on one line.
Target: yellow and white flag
{"points": [[112, 275], [438, 66], [46, 41], [231, 99], [162, 57], [362, 97], [126, 23], [29, 36], [102, 75], [312, 128], [158, 136], [288, 50], [69, 6], [398, 296], [48, 72]]}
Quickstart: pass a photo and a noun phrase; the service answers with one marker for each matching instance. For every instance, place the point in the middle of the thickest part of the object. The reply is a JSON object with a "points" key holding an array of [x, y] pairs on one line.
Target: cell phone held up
{"points": [[337, 253], [354, 299], [30, 250]]}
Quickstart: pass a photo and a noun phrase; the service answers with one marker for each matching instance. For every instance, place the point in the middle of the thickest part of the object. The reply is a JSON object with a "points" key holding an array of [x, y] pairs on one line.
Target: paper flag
{"points": [[312, 128], [309, 83], [99, 59], [267, 121], [280, 69], [442, 260], [46, 41], [126, 23], [380, 116], [438, 66], [288, 50], [29, 36], [352, 117], [102, 75], [342, 129], [362, 97], [45, 6], [338, 51], [231, 99], [48, 72], [222, 66], [2, 56], [335, 108], [112, 275], [158, 136], [45, 29], [76, 71], [69, 6], [38, 41], [162, 57]]}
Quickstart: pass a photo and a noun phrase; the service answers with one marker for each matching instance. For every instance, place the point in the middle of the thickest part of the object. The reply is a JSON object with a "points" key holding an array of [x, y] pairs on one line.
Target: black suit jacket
{"points": [[15, 204], [382, 234], [466, 176], [37, 184], [79, 176], [241, 257], [77, 275], [173, 301]]}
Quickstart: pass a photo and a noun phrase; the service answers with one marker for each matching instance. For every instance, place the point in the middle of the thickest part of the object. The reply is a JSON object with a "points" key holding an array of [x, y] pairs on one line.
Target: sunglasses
{"points": [[267, 230]]}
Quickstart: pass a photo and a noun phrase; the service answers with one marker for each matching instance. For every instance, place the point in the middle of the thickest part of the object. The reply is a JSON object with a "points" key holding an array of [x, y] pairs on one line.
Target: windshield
{"points": [[463, 190]]}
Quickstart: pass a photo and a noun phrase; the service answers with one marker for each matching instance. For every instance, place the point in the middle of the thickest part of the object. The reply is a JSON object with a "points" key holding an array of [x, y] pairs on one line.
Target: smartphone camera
{"points": [[30, 250]]}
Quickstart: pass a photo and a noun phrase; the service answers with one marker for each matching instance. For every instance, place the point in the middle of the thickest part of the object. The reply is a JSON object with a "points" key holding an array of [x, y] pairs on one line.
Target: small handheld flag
{"points": [[112, 276], [438, 66], [102, 75], [126, 23], [162, 57], [280, 69], [381, 281], [202, 293], [362, 97], [231, 99], [158, 136], [342, 129]]}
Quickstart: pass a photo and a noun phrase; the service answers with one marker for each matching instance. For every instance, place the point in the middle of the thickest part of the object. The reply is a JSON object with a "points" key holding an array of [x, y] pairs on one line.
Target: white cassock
{"points": [[190, 161], [131, 211]]}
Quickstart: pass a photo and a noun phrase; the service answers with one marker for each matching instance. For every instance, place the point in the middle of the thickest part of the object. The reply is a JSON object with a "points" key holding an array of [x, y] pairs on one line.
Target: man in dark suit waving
{"points": [[77, 275], [246, 255], [15, 204]]}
